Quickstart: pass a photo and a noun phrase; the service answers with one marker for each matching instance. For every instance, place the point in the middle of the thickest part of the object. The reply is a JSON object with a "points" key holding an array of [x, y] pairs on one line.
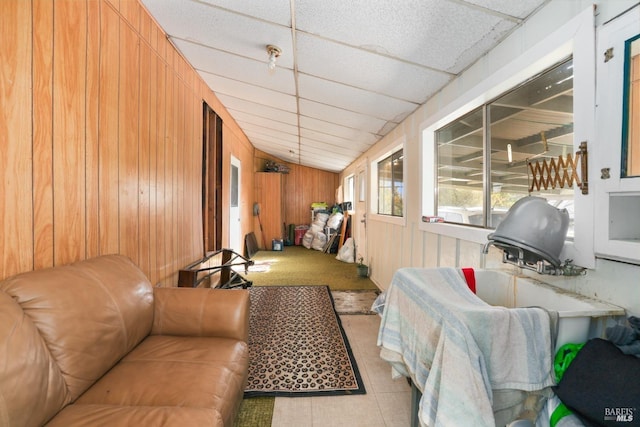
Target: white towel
{"points": [[457, 349]]}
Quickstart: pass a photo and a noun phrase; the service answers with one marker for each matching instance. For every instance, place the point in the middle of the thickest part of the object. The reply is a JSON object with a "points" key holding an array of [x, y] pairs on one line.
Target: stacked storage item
{"points": [[315, 237]]}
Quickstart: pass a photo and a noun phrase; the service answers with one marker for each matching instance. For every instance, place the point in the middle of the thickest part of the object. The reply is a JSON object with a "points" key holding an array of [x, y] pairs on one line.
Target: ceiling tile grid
{"points": [[349, 72]]}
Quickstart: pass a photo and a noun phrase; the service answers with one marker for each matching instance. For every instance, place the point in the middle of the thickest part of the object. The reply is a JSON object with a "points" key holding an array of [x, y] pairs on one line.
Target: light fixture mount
{"points": [[274, 52]]}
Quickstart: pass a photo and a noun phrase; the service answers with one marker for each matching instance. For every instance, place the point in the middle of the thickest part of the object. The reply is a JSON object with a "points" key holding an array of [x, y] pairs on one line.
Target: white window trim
{"points": [[352, 190], [398, 144], [576, 38]]}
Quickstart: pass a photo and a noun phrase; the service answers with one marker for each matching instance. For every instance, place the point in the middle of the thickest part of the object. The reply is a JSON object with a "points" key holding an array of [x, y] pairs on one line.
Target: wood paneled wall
{"points": [[302, 186], [101, 139]]}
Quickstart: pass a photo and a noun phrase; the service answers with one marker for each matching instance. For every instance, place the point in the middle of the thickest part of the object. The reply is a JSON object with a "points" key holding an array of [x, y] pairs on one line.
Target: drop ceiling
{"points": [[349, 72]]}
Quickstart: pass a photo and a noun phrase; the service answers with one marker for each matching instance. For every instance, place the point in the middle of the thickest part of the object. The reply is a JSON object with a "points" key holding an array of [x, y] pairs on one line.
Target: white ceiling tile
{"points": [[339, 116], [519, 9], [277, 11], [259, 110], [266, 123], [249, 92], [362, 66], [365, 70], [323, 148], [314, 137], [337, 130], [265, 132], [329, 164], [432, 33], [212, 26], [236, 67], [352, 99]]}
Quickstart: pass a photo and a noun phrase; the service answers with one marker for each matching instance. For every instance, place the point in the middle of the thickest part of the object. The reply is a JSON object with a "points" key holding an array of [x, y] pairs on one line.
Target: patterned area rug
{"points": [[297, 346]]}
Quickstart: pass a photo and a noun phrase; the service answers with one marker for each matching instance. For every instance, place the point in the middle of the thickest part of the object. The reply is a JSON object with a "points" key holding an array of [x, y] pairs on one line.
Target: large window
{"points": [[482, 156], [391, 184]]}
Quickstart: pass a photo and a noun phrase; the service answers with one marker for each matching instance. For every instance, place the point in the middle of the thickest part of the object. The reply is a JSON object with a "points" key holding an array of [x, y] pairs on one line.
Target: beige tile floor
{"points": [[387, 402]]}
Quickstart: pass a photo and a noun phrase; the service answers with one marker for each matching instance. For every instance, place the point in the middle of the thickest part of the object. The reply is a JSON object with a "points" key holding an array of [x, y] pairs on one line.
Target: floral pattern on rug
{"points": [[297, 345]]}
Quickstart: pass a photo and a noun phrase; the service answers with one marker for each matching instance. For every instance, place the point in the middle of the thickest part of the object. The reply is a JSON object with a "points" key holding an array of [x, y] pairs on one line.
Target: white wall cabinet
{"points": [[617, 226]]}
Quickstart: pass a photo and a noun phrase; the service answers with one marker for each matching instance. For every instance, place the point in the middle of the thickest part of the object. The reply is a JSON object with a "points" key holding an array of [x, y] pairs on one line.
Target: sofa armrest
{"points": [[201, 312]]}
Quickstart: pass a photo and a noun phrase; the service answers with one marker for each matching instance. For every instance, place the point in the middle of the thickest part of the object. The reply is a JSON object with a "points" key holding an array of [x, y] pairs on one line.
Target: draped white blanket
{"points": [[457, 349]]}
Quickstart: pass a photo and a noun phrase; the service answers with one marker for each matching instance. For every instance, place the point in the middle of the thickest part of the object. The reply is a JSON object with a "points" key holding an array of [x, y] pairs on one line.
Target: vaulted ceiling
{"points": [[350, 70]]}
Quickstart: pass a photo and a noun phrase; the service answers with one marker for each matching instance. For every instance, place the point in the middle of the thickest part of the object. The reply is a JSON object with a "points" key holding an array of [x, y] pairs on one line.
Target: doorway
{"points": [[235, 233], [360, 216], [211, 179]]}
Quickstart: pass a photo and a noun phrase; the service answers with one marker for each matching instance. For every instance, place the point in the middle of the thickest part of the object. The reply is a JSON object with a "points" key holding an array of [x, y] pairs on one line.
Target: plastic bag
{"points": [[347, 251], [319, 240], [335, 220], [307, 239]]}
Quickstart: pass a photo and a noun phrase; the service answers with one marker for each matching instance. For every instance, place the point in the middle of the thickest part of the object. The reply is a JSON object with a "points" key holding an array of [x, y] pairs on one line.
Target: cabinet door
{"points": [[269, 196], [617, 225]]}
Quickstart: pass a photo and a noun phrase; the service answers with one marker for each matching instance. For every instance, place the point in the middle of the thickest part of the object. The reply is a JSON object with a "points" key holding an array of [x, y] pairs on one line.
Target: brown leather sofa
{"points": [[94, 344]]}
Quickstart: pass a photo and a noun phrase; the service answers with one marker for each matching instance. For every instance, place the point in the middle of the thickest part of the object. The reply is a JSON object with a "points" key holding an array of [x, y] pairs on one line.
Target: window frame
{"points": [[577, 39], [490, 167], [348, 191], [397, 145], [391, 159]]}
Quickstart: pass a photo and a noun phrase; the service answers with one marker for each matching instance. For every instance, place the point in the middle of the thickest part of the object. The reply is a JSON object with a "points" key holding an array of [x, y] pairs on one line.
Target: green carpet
{"points": [[297, 265], [255, 412], [294, 266]]}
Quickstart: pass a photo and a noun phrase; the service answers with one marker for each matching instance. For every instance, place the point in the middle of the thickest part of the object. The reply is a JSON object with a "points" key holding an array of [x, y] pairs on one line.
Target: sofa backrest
{"points": [[72, 324]]}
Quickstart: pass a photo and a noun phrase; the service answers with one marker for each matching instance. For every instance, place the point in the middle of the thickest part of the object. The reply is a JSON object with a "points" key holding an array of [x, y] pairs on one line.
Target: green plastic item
{"points": [[564, 357], [560, 412]]}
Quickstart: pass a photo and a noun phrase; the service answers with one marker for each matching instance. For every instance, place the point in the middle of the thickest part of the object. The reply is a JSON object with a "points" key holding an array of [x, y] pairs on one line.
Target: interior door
{"points": [[359, 223], [235, 233]]}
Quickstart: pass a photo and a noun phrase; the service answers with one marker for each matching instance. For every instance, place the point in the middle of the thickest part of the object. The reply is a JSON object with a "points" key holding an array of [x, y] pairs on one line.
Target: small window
{"points": [[391, 184], [349, 189]]}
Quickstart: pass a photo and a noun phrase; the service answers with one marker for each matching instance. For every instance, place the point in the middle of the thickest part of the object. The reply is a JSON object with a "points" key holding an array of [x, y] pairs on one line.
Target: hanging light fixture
{"points": [[274, 52]]}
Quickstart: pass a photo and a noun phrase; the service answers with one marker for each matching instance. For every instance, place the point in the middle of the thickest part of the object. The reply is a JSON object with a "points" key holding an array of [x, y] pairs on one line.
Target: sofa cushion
{"points": [[109, 416], [196, 372], [89, 314], [32, 389]]}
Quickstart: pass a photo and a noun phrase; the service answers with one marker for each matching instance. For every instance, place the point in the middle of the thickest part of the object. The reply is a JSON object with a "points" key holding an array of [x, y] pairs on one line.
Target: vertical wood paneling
{"points": [[128, 142], [109, 237], [92, 143], [69, 86], [43, 133], [180, 177], [153, 168], [130, 11], [169, 210], [144, 160], [113, 164], [16, 218], [196, 155], [161, 172]]}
